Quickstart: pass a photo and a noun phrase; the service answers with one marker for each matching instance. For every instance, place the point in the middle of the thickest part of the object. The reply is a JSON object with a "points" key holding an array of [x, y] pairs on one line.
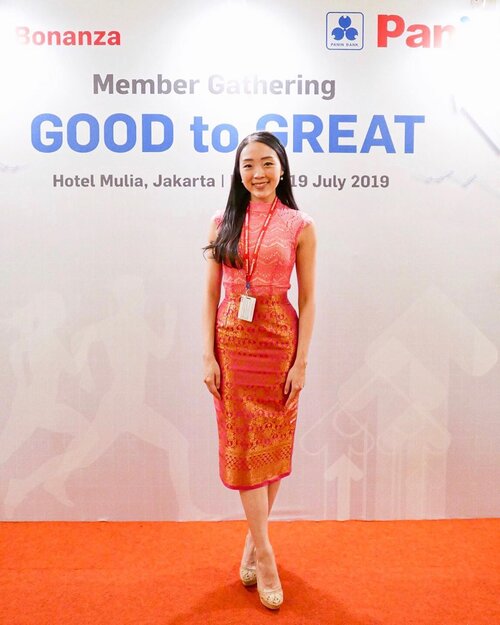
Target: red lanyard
{"points": [[250, 267]]}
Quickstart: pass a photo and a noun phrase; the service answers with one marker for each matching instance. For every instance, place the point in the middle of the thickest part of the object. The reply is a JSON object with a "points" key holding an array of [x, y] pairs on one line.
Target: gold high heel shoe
{"points": [[272, 598], [248, 570]]}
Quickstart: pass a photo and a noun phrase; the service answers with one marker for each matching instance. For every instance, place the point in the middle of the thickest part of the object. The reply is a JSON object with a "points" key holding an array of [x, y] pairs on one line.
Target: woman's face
{"points": [[260, 171]]}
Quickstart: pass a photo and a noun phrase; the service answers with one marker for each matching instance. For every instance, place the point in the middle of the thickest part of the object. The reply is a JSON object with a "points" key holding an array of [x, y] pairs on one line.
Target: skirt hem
{"points": [[264, 483]]}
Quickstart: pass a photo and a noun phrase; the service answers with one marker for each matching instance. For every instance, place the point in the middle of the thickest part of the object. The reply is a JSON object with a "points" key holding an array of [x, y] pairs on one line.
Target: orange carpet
{"points": [[334, 573]]}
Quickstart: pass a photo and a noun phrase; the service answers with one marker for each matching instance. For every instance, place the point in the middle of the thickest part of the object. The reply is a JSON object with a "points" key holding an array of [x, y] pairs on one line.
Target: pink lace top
{"points": [[277, 252]]}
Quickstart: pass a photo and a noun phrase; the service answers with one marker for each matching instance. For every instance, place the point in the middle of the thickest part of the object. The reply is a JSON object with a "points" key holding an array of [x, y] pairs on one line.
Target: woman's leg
{"points": [[272, 491], [256, 505]]}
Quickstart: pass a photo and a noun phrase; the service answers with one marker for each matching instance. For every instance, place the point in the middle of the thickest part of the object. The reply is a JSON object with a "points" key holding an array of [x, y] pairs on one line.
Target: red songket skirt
{"points": [[256, 431]]}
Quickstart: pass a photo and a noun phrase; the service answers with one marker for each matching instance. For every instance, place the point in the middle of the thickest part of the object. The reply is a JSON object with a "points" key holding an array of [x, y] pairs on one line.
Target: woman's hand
{"points": [[212, 375], [295, 381]]}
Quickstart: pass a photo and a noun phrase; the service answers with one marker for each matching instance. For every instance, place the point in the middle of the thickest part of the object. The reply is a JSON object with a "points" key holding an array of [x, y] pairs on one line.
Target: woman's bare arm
{"points": [[306, 273], [211, 302]]}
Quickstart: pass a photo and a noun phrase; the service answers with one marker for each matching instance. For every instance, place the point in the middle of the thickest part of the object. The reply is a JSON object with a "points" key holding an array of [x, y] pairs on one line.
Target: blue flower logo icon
{"points": [[344, 29]]}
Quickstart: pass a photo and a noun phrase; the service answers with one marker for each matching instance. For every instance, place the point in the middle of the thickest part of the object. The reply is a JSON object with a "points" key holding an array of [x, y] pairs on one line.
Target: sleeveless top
{"points": [[277, 251]]}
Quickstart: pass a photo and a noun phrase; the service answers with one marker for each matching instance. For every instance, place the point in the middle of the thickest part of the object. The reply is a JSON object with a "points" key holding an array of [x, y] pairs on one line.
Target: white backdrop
{"points": [[395, 147]]}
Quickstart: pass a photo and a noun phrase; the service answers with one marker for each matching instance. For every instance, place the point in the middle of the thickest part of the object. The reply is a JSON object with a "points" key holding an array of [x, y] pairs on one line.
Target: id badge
{"points": [[247, 307]]}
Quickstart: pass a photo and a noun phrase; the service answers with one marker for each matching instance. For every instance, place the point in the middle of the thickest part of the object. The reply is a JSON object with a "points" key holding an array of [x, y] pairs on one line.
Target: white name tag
{"points": [[247, 307]]}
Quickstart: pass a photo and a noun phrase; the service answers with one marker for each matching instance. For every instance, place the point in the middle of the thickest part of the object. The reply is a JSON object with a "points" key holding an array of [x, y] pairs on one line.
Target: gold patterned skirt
{"points": [[256, 431]]}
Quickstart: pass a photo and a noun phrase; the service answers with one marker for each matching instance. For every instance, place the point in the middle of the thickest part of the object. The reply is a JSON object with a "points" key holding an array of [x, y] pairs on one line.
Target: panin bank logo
{"points": [[344, 31]]}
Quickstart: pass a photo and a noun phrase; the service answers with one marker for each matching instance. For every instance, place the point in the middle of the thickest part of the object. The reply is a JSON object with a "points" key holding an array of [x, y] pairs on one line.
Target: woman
{"points": [[255, 350]]}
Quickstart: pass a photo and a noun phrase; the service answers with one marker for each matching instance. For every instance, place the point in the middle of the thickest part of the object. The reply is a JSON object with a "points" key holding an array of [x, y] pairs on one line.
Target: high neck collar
{"points": [[261, 207]]}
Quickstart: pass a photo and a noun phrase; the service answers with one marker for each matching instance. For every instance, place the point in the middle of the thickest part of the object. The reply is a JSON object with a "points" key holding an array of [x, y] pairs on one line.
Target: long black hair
{"points": [[225, 246]]}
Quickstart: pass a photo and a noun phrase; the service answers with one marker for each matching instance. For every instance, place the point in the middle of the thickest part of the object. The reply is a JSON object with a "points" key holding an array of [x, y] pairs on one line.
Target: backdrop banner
{"points": [[118, 129]]}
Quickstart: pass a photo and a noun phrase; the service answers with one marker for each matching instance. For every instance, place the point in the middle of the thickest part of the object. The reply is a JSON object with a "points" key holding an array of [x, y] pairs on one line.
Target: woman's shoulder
{"points": [[299, 217], [217, 217], [306, 218], [295, 221]]}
